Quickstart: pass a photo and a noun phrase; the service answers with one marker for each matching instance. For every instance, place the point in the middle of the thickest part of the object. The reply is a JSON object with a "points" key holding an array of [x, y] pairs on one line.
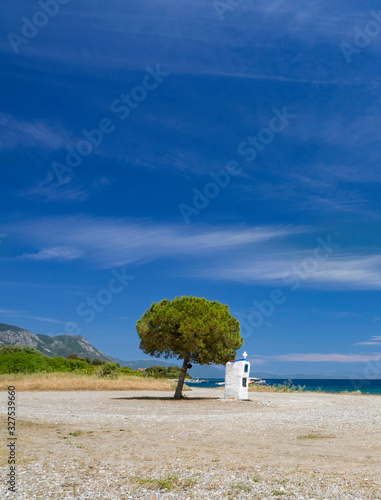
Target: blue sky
{"points": [[277, 101]]}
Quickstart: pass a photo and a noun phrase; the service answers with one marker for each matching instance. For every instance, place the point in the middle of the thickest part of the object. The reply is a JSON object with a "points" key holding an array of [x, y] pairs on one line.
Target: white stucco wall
{"points": [[234, 373]]}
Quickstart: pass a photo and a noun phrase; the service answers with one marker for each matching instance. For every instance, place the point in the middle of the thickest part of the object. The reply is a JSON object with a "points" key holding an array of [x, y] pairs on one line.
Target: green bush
{"points": [[156, 371], [17, 359], [86, 359], [59, 363], [109, 370], [125, 370], [98, 362], [162, 372], [10, 349]]}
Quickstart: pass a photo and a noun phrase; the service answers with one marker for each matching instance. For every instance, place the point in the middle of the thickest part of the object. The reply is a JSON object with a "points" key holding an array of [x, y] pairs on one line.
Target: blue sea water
{"points": [[321, 385]]}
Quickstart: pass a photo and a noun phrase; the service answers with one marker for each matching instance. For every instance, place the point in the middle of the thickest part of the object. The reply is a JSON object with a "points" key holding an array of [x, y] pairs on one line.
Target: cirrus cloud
{"points": [[53, 253], [111, 242]]}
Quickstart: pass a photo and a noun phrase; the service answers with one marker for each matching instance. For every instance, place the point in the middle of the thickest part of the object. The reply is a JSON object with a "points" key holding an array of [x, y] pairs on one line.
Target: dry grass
{"points": [[261, 388], [170, 482], [316, 435], [76, 382], [269, 388], [285, 387]]}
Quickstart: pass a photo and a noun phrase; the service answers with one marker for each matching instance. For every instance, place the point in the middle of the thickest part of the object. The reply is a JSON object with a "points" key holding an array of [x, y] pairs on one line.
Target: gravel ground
{"points": [[144, 445]]}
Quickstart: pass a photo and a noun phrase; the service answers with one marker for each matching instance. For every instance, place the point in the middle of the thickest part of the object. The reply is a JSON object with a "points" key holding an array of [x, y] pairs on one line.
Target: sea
{"points": [[315, 385]]}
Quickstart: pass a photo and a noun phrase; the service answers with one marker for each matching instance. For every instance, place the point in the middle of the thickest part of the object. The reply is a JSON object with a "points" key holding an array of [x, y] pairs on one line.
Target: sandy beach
{"points": [[144, 445]]}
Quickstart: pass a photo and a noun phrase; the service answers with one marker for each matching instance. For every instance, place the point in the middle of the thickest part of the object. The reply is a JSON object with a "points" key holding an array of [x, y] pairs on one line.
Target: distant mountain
{"points": [[62, 345]]}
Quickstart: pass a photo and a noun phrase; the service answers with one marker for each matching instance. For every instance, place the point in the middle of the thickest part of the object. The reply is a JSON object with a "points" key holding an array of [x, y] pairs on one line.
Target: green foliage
{"points": [[21, 362], [174, 368], [10, 349], [59, 363], [162, 372], [109, 370], [126, 370], [192, 328], [156, 371], [17, 359], [98, 362], [86, 359]]}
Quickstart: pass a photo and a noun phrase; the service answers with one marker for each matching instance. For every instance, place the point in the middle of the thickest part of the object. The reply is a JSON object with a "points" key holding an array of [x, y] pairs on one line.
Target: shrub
{"points": [[16, 359], [10, 349], [86, 359], [32, 350], [98, 362], [162, 372], [156, 371], [126, 370], [289, 387], [108, 370], [59, 363], [22, 362]]}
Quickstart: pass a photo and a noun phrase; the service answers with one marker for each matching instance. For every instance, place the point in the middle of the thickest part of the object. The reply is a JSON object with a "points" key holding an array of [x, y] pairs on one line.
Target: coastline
{"points": [[143, 444], [329, 386]]}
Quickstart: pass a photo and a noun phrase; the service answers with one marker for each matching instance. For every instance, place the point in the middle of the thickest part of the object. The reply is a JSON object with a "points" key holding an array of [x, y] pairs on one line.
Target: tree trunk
{"points": [[180, 383]]}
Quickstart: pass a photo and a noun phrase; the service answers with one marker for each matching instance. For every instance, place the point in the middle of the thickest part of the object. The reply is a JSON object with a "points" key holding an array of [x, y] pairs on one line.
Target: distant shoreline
{"points": [[329, 386]]}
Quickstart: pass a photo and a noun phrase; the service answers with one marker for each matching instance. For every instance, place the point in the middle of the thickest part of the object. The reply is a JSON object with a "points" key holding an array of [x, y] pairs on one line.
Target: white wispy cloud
{"points": [[375, 340], [111, 242], [358, 132], [49, 189], [43, 319], [22, 314], [260, 255], [277, 78], [10, 311], [338, 271], [19, 132], [257, 25], [53, 253], [257, 361], [338, 314]]}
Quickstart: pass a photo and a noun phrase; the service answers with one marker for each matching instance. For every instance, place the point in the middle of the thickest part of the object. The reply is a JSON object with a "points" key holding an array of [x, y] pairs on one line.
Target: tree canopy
{"points": [[189, 328]]}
